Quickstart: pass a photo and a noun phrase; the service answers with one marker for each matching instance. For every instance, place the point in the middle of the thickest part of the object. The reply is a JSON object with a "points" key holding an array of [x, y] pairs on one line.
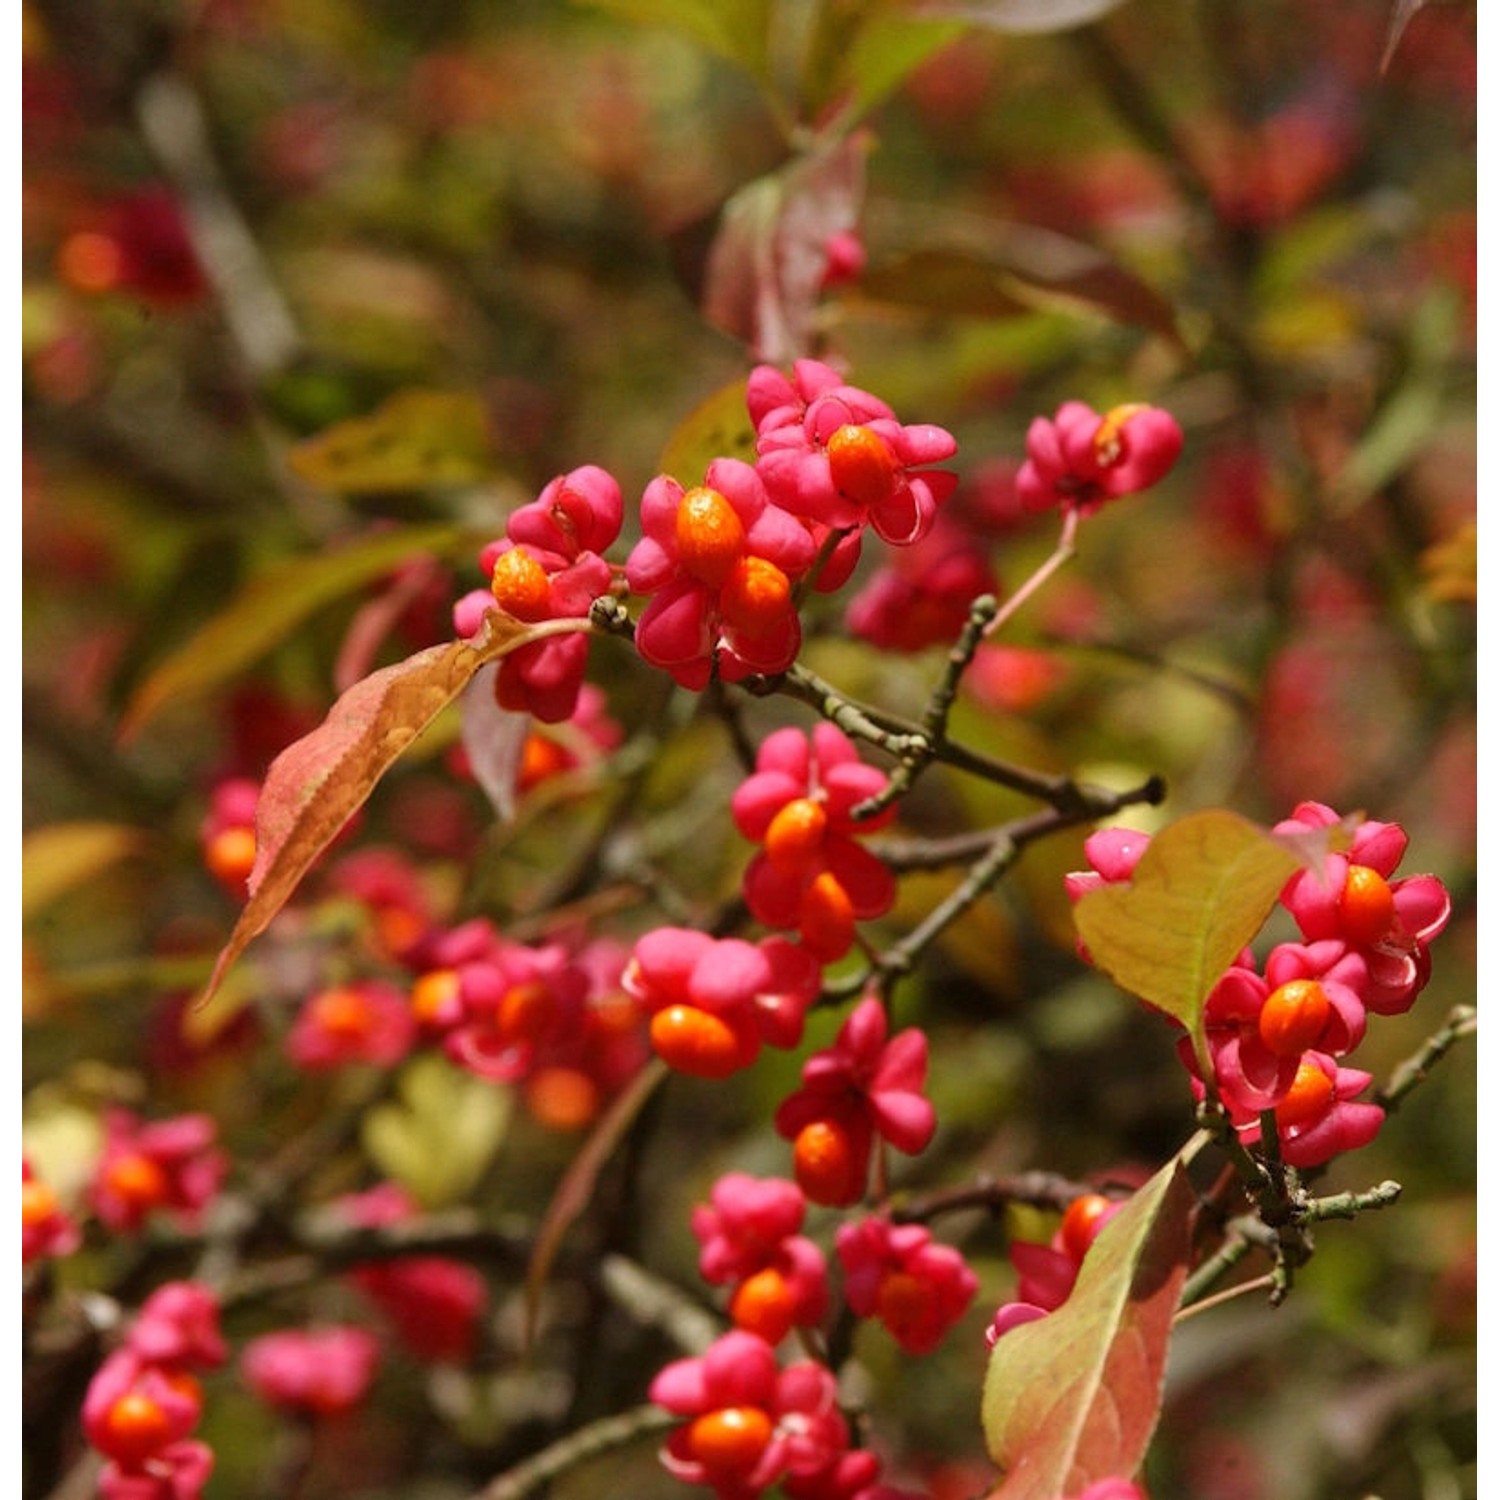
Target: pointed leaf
{"points": [[719, 427], [1074, 1397], [316, 784], [271, 607], [62, 856], [1200, 893], [767, 262], [993, 268], [577, 1186], [494, 741], [860, 55], [1021, 16], [415, 440]]}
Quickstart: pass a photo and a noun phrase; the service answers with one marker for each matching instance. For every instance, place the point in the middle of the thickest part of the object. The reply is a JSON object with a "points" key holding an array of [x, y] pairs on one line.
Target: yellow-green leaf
{"points": [[1201, 892], [1073, 1398], [271, 607], [315, 785], [415, 440], [442, 1133], [719, 427], [62, 856]]}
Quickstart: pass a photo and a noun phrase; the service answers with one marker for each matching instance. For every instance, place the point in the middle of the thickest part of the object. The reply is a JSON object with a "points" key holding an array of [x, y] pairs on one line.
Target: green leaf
{"points": [[1020, 16], [416, 440], [269, 609], [62, 856], [1201, 892], [443, 1133], [860, 55], [316, 784], [1074, 1397], [1405, 423], [719, 427], [992, 268], [736, 30]]}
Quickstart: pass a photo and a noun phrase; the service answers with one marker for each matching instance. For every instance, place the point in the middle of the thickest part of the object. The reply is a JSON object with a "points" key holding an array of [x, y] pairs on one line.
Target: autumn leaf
{"points": [[62, 856], [766, 264], [983, 267], [1201, 892], [315, 785], [1074, 1397], [266, 612], [717, 427], [417, 439]]}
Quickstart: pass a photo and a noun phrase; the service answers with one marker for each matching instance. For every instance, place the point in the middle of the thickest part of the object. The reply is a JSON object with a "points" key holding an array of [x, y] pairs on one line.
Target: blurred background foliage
{"points": [[315, 293]]}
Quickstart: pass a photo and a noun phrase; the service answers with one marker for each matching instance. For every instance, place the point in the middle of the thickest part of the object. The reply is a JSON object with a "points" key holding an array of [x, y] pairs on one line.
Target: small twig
{"points": [[1347, 1205], [577, 1447], [1238, 1243], [1063, 553], [939, 706], [1048, 1190], [1462, 1021], [1227, 1295]]}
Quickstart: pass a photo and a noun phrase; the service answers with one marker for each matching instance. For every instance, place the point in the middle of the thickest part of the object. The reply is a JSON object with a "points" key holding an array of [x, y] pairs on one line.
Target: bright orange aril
{"points": [[710, 536], [1293, 1017], [434, 995], [91, 262], [521, 586], [903, 1304], [756, 596], [136, 1178], [342, 1012], [731, 1440], [1367, 906], [861, 464], [1109, 445], [1081, 1222], [135, 1429], [795, 836], [1309, 1096], [826, 918], [525, 1010], [230, 855], [562, 1098], [824, 1164], [696, 1042], [38, 1204], [541, 757], [764, 1304]]}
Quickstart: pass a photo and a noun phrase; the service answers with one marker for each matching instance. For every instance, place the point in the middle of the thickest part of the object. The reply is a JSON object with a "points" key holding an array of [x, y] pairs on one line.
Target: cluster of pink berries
{"points": [[751, 1423], [144, 1402], [720, 563], [554, 1019], [1277, 1031]]}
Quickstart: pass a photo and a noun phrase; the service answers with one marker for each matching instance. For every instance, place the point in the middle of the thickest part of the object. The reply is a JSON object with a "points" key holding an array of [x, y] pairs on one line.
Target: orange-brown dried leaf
{"points": [[316, 784]]}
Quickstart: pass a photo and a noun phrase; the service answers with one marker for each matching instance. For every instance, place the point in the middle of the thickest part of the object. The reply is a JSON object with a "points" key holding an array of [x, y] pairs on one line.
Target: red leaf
{"points": [[1074, 1397], [316, 784], [767, 262]]}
